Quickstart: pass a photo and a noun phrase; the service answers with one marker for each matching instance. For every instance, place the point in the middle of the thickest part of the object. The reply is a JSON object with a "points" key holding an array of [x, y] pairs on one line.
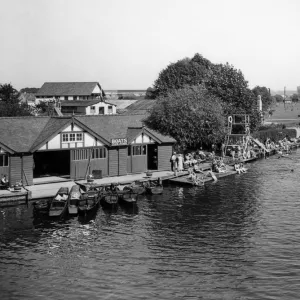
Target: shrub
{"points": [[275, 134]]}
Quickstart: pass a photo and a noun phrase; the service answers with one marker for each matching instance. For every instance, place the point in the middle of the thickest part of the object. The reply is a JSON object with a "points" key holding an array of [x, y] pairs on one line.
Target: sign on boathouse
{"points": [[118, 142]]}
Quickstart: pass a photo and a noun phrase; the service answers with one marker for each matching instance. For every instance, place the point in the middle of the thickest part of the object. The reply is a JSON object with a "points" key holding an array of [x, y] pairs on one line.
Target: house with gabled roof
{"points": [[74, 146], [70, 91]]}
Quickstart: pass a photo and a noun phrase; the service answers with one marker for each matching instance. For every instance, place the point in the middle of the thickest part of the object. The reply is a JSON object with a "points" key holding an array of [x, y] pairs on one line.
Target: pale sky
{"points": [[124, 44]]}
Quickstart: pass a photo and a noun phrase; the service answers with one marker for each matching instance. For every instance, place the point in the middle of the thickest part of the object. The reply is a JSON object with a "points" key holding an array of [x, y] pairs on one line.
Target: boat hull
{"points": [[156, 190]]}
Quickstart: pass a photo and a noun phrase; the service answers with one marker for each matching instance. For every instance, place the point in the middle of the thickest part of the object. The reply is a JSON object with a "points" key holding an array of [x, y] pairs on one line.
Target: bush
{"points": [[275, 134]]}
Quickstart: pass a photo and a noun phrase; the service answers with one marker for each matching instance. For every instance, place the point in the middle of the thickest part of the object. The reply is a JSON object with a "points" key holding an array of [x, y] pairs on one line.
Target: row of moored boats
{"points": [[83, 199]]}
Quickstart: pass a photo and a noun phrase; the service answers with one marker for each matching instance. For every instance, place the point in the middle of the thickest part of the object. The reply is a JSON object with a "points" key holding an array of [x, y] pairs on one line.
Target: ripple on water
{"points": [[235, 239]]}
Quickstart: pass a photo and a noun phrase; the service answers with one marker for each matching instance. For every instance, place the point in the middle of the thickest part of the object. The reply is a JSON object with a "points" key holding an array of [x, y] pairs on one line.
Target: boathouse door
{"points": [[152, 157]]}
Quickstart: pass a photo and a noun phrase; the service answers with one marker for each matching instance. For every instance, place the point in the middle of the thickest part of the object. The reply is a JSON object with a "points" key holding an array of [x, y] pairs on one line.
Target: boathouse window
{"points": [[110, 109], [3, 160], [93, 109], [65, 137], [84, 154], [98, 153], [72, 137], [139, 150]]}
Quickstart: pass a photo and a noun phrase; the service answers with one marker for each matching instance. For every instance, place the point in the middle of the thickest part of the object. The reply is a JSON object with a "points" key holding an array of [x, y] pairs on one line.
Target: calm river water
{"points": [[238, 238]]}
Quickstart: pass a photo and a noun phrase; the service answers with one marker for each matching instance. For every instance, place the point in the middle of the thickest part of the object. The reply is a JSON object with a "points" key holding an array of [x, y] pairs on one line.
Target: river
{"points": [[237, 238]]}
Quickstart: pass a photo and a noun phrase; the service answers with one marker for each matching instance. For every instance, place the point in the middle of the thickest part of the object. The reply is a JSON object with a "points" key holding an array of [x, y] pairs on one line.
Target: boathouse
{"points": [[75, 146]]}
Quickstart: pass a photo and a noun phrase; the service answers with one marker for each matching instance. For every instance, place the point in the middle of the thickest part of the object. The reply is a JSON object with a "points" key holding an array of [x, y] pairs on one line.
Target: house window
{"points": [[101, 110], [72, 137], [110, 109], [139, 150], [3, 160], [65, 137], [129, 151], [74, 97], [66, 98]]}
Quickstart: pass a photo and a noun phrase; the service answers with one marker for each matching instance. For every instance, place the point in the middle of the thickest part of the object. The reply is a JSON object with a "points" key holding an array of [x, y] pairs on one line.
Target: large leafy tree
{"points": [[10, 105], [191, 115], [184, 72], [221, 80], [266, 98]]}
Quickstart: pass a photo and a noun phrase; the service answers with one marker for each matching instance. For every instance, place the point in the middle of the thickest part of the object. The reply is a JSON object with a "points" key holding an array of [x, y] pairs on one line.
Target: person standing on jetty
{"points": [[173, 161]]}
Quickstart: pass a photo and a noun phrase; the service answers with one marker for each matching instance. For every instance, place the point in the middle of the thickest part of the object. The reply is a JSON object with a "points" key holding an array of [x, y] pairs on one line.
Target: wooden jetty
{"points": [[187, 181]]}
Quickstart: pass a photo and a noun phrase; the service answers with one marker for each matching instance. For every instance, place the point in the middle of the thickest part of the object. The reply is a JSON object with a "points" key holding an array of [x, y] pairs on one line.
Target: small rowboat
{"points": [[155, 190], [128, 197], [41, 206], [74, 196], [89, 202], [154, 187], [138, 188], [59, 203], [110, 199]]}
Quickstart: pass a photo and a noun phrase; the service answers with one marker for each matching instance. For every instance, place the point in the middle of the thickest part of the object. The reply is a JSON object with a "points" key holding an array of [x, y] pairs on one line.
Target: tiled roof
{"points": [[67, 89], [54, 125], [27, 134], [19, 133], [121, 104], [132, 133], [110, 127]]}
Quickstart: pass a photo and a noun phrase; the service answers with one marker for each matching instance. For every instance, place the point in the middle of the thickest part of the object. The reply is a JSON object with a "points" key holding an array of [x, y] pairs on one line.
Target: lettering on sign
{"points": [[118, 142]]}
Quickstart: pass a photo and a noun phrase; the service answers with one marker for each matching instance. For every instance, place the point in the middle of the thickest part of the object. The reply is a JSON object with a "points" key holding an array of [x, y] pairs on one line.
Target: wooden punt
{"points": [[59, 203], [73, 199]]}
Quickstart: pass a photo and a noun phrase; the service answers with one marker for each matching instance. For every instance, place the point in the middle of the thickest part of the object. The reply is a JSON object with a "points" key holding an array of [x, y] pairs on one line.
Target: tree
{"points": [[295, 98], [184, 72], [191, 115], [150, 93], [266, 98], [278, 98], [29, 90], [10, 105], [222, 81], [229, 84]]}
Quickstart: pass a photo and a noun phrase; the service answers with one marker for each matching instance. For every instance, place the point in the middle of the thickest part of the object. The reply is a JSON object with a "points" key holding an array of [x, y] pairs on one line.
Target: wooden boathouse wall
{"points": [[117, 161], [122, 160], [21, 169], [164, 155], [79, 168], [27, 169]]}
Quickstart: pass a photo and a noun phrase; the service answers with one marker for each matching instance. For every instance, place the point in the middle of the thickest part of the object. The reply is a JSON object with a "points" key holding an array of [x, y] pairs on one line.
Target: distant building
{"points": [[70, 91], [28, 98], [87, 107]]}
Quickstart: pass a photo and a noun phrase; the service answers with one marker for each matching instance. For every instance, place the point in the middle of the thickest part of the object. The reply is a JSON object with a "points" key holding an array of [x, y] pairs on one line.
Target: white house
{"points": [[87, 107]]}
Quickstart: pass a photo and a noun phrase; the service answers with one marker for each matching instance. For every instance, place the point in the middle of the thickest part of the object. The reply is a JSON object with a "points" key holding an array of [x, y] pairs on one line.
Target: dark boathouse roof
{"points": [[27, 134], [67, 89]]}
